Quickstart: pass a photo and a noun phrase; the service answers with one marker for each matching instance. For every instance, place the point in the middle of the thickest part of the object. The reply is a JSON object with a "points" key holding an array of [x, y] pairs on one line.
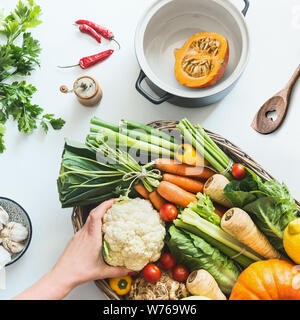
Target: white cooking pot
{"points": [[166, 25]]}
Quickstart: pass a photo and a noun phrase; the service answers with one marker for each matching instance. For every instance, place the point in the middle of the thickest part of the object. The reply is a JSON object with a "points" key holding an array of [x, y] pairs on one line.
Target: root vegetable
{"points": [[175, 194], [185, 183], [156, 200], [140, 189], [185, 170], [239, 224], [202, 283], [214, 187]]}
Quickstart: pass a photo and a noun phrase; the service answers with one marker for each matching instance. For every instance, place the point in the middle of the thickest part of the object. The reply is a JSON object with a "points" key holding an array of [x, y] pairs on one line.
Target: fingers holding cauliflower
{"points": [[133, 234]]}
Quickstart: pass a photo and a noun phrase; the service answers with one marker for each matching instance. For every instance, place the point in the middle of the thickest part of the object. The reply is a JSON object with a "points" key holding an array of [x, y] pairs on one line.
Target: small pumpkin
{"points": [[268, 280], [202, 60]]}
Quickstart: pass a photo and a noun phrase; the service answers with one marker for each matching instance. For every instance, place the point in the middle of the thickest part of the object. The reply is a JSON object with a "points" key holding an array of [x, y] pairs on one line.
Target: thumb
{"points": [[94, 221], [116, 272]]}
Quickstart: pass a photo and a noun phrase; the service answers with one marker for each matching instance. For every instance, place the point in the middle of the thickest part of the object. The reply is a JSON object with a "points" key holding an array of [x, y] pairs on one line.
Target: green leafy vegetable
{"points": [[205, 209], [196, 253], [269, 203], [191, 221], [15, 97], [87, 177]]}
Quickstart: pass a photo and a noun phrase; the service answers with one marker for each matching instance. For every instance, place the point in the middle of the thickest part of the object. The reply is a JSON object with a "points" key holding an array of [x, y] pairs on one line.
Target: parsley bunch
{"points": [[16, 96]]}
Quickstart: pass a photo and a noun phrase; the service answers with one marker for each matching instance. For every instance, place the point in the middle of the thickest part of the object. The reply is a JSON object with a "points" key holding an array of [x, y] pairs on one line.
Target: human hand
{"points": [[81, 262], [82, 259]]}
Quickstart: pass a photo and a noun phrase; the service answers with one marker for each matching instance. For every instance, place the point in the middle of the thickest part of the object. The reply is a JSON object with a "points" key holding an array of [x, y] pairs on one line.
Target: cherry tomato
{"points": [[239, 171], [180, 273], [168, 212], [151, 273], [167, 261]]}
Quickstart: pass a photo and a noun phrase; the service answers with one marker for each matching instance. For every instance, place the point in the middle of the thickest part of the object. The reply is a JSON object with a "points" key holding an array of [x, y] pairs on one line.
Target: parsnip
{"points": [[238, 223], [214, 187], [202, 283]]}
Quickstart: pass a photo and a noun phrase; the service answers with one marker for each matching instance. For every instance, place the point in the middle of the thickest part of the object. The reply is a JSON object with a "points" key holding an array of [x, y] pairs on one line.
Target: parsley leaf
{"points": [[56, 124], [15, 97]]}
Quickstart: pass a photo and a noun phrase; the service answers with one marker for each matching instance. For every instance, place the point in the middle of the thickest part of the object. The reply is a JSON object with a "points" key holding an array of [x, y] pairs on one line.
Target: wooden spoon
{"points": [[276, 106]]}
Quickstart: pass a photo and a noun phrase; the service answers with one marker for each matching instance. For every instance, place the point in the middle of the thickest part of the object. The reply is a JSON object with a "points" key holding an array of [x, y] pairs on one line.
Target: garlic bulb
{"points": [[4, 217], [5, 257], [15, 231], [12, 246]]}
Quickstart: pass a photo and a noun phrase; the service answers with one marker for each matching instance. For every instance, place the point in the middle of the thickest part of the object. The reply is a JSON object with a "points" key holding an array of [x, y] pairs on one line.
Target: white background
{"points": [[30, 166]]}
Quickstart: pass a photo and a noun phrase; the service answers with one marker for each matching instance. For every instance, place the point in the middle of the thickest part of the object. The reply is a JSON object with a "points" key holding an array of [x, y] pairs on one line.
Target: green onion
{"points": [[205, 146], [116, 139], [152, 131]]}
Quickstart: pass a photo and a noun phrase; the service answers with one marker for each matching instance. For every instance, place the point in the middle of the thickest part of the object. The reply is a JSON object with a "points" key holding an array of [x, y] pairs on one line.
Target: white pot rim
{"points": [[218, 88]]}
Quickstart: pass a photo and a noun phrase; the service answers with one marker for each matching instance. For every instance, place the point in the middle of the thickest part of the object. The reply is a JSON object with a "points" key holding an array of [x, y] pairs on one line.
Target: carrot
{"points": [[175, 194], [157, 200], [171, 166], [139, 188], [185, 183], [219, 209], [239, 224]]}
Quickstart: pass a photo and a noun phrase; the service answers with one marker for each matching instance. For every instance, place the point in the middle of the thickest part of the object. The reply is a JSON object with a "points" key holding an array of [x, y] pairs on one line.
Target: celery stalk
{"points": [[214, 235]]}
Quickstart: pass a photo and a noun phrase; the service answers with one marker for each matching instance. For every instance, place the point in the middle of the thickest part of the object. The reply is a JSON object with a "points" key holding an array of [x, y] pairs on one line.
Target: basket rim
{"points": [[231, 148]]}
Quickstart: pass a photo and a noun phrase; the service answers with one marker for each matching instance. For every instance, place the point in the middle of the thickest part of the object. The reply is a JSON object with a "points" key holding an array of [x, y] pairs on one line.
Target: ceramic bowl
{"points": [[17, 214]]}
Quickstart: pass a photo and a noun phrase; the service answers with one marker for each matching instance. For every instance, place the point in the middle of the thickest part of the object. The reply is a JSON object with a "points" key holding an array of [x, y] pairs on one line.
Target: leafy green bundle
{"points": [[88, 177], [269, 203], [15, 97]]}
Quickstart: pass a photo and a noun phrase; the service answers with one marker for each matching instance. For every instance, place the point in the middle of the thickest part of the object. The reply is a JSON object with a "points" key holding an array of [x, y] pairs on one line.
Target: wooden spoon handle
{"points": [[293, 80]]}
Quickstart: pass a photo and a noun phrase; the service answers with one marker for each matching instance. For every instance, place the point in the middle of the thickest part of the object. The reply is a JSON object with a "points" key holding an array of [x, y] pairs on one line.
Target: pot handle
{"points": [[139, 88], [247, 4]]}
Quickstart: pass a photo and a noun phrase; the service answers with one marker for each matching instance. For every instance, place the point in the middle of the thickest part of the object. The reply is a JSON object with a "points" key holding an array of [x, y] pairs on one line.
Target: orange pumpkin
{"points": [[202, 60], [268, 280]]}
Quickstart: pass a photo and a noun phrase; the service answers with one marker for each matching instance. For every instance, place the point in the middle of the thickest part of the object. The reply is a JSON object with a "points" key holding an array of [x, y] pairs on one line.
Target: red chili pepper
{"points": [[84, 28], [88, 62], [107, 34]]}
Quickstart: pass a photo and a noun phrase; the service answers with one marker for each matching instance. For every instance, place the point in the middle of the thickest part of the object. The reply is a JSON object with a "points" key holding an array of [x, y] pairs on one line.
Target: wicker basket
{"points": [[236, 154]]}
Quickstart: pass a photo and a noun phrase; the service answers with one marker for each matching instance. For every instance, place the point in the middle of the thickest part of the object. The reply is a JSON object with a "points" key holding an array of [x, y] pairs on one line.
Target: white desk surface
{"points": [[30, 166]]}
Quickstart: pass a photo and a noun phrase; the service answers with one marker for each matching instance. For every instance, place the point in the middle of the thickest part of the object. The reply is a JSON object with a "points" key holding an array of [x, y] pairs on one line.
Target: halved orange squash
{"points": [[202, 60]]}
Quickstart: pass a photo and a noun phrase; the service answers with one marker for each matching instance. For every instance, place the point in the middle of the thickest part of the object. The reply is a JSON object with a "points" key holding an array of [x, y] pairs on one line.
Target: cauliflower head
{"points": [[133, 234]]}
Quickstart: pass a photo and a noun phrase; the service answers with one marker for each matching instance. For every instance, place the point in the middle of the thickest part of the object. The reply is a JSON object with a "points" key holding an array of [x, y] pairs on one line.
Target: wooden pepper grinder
{"points": [[87, 90]]}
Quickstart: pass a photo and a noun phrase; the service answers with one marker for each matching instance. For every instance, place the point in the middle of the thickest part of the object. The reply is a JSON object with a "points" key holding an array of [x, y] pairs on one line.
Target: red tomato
{"points": [[239, 171], [167, 261], [168, 212], [151, 272], [180, 273]]}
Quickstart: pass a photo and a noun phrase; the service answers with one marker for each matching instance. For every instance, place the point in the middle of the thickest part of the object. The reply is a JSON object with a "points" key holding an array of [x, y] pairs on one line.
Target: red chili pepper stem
{"points": [[65, 67], [113, 39]]}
